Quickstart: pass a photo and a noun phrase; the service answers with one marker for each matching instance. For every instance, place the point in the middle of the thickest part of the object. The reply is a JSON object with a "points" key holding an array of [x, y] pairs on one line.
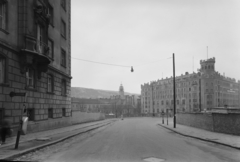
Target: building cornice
{"points": [[2, 44], [60, 72]]}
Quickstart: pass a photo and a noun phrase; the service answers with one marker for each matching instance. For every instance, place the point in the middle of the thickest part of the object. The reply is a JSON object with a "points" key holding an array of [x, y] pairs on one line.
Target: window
{"points": [[3, 15], [50, 112], [183, 102], [63, 58], [64, 87], [51, 49], [39, 38], [63, 29], [63, 4], [2, 70], [50, 83], [63, 111], [30, 78], [30, 114], [50, 10]]}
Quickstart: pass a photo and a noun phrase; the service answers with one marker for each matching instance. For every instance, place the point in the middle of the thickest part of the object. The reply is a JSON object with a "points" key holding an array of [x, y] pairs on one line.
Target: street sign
{"points": [[13, 94]]}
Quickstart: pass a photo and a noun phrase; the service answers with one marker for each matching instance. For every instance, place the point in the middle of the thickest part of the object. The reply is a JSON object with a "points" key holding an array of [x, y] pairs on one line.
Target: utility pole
{"points": [[23, 110], [174, 95], [152, 99]]}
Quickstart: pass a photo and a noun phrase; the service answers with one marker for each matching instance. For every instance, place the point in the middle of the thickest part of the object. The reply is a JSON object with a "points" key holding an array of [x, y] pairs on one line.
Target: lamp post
{"points": [[174, 95], [23, 110], [152, 100], [163, 117], [167, 116]]}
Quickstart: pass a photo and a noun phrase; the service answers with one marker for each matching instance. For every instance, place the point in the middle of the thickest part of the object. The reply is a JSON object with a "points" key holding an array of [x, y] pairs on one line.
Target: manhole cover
{"points": [[43, 139], [153, 159]]}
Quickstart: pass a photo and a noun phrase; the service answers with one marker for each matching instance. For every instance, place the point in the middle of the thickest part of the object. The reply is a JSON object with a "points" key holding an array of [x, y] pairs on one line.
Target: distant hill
{"points": [[79, 92]]}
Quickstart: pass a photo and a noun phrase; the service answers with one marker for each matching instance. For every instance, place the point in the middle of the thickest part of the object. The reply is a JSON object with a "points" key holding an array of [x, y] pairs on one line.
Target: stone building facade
{"points": [[124, 104], [195, 92], [114, 106], [35, 58]]}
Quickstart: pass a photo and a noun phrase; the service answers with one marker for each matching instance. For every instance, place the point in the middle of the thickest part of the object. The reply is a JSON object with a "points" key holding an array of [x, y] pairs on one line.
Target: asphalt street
{"points": [[139, 140]]}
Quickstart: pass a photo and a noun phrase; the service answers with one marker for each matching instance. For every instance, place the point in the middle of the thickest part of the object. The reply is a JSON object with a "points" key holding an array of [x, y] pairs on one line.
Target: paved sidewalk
{"points": [[37, 140], [218, 138]]}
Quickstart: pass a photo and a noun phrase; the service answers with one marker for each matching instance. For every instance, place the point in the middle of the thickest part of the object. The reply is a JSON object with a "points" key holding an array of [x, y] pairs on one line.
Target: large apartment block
{"points": [[35, 57], [195, 92]]}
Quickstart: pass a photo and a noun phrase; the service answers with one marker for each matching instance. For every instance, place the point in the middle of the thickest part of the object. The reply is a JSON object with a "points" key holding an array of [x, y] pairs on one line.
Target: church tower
{"points": [[121, 91]]}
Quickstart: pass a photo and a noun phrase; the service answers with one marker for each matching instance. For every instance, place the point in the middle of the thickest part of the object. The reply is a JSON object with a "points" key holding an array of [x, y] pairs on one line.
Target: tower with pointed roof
{"points": [[121, 91]]}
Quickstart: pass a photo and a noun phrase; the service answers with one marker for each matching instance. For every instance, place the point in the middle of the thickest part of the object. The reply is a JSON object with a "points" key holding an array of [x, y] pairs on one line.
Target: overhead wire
{"points": [[100, 62], [117, 64]]}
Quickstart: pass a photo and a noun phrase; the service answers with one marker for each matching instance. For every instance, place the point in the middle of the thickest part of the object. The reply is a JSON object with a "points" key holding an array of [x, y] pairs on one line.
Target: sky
{"points": [[144, 34]]}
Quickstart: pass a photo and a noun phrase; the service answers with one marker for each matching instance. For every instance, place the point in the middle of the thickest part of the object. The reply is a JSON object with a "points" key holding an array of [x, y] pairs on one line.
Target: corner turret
{"points": [[207, 66]]}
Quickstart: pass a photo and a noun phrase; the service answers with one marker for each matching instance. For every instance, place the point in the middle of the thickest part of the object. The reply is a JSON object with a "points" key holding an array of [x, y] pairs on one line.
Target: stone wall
{"points": [[198, 120], [83, 117], [216, 122], [48, 124], [227, 123]]}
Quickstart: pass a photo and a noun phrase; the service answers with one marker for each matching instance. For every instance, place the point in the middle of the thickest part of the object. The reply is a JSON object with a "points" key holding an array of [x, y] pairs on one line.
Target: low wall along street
{"points": [[216, 122], [76, 118], [82, 117]]}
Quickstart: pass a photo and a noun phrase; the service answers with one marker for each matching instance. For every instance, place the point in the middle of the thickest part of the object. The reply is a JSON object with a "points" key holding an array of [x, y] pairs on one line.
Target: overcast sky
{"points": [[145, 33]]}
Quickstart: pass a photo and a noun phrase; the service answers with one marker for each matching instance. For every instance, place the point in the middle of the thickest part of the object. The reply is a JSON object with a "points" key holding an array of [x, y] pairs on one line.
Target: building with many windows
{"points": [[35, 52], [124, 104], [195, 92]]}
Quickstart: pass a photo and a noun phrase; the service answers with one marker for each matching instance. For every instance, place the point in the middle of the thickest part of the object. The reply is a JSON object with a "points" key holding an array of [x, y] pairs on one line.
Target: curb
{"points": [[7, 145], [202, 139], [50, 143]]}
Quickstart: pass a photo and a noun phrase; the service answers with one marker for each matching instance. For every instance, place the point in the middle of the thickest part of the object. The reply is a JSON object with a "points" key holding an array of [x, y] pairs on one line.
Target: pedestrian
{"points": [[5, 130]]}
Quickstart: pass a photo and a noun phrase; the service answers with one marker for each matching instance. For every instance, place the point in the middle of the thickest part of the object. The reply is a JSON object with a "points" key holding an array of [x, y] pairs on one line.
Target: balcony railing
{"points": [[31, 44]]}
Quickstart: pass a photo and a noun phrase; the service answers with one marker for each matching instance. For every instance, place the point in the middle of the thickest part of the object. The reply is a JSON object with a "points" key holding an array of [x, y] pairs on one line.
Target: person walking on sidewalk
{"points": [[5, 129]]}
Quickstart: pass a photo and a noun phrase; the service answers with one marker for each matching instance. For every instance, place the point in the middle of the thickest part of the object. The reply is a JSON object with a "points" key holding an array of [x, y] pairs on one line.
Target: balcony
{"points": [[35, 53], [32, 45]]}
